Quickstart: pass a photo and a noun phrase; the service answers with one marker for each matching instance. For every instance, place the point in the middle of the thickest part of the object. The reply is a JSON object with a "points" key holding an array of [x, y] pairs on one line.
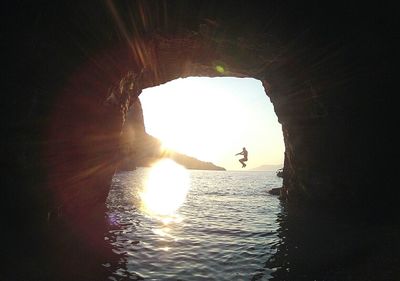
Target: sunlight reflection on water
{"points": [[222, 228], [165, 191]]}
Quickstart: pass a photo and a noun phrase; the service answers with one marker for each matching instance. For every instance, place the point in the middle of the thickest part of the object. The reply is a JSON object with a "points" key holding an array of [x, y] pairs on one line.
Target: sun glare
{"points": [[211, 119], [166, 188]]}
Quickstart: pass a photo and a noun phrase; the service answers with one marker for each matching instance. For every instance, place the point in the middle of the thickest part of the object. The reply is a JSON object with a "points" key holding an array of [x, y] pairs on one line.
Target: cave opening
{"points": [[163, 209], [211, 118], [330, 68]]}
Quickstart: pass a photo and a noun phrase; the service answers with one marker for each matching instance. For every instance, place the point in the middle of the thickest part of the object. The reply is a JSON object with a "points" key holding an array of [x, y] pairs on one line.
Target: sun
{"points": [[199, 124]]}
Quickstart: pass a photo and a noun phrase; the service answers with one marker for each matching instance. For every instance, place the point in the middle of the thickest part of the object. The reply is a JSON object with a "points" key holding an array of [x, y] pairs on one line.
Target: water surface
{"points": [[226, 228]]}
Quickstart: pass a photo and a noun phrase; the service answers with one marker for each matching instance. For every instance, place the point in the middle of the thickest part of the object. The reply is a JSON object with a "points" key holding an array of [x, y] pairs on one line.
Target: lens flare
{"points": [[220, 69], [166, 188]]}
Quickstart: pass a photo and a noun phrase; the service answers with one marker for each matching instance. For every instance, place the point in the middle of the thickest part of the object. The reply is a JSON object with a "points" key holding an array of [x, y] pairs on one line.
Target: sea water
{"points": [[226, 228]]}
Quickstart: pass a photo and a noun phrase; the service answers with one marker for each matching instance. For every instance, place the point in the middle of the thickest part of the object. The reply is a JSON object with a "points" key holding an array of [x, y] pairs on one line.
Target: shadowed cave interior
{"points": [[327, 70]]}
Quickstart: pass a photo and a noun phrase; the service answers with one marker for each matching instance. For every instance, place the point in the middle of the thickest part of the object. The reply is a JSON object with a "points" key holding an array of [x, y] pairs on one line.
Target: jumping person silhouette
{"points": [[244, 159]]}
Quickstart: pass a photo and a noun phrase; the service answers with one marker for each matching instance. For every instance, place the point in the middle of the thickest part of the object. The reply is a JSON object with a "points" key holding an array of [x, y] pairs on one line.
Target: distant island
{"points": [[148, 149], [268, 167], [193, 163]]}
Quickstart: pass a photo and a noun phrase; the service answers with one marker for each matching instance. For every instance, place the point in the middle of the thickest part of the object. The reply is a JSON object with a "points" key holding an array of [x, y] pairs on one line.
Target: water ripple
{"points": [[227, 229]]}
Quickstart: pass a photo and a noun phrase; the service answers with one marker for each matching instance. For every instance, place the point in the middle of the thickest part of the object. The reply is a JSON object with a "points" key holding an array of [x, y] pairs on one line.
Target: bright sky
{"points": [[211, 119]]}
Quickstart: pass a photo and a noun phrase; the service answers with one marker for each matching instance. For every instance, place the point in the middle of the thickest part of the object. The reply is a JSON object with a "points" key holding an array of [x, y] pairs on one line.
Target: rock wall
{"points": [[73, 69]]}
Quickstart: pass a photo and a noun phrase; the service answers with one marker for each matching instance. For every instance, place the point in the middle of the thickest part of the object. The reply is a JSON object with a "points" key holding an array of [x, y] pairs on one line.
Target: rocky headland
{"points": [[139, 149]]}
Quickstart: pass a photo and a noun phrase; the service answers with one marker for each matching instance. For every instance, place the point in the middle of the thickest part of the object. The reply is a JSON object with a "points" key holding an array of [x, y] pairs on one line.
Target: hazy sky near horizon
{"points": [[211, 119]]}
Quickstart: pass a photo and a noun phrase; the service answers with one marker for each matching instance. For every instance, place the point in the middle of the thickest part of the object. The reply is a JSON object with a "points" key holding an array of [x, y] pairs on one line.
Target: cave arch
{"points": [[328, 69], [296, 96], [309, 92]]}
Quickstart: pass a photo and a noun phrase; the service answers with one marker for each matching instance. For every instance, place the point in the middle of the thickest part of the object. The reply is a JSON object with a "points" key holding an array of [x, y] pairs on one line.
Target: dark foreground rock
{"points": [[275, 191], [69, 79]]}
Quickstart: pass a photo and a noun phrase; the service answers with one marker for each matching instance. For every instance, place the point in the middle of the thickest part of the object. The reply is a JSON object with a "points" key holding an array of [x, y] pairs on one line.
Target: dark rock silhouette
{"points": [[192, 163], [72, 70], [148, 150], [275, 191]]}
